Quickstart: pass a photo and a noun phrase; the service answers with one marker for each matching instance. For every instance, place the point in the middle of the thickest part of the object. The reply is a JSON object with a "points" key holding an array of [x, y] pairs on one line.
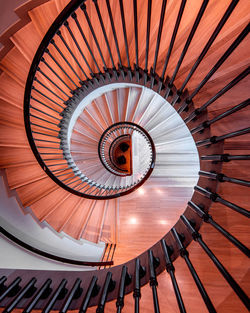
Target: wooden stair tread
{"points": [[93, 227], [42, 16], [6, 91], [20, 176], [16, 66], [27, 40], [58, 217], [75, 224], [36, 190]]}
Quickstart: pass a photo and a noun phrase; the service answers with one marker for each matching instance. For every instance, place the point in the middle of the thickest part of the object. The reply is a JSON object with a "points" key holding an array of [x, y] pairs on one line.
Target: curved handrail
{"points": [[50, 255], [62, 17], [185, 104]]}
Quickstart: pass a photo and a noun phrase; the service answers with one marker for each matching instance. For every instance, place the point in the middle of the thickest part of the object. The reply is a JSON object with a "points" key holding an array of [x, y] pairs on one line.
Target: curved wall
{"points": [[14, 221]]}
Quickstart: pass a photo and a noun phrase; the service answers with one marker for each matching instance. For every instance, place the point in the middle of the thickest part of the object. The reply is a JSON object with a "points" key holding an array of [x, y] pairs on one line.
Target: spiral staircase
{"points": [[116, 108]]}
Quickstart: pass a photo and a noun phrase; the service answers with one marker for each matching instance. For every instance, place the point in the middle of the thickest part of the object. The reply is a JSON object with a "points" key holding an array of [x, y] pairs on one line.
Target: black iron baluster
{"points": [[125, 36], [27, 291], [58, 159], [171, 45], [64, 175], [41, 147], [104, 32], [38, 101], [170, 269], [42, 94], [109, 286], [216, 198], [92, 291], [70, 51], [75, 293], [215, 97], [153, 262], [52, 82], [2, 281], [66, 24], [189, 39], [234, 109], [84, 9], [96, 190], [88, 186], [224, 178], [42, 140], [61, 170], [216, 139], [39, 133], [114, 32], [74, 16], [222, 59], [51, 129], [63, 56], [42, 119], [208, 219], [112, 256], [136, 40], [157, 47], [42, 293], [74, 181], [124, 280], [58, 294], [224, 157], [61, 68], [147, 40], [185, 255], [104, 252], [235, 286], [54, 72], [139, 273], [12, 289], [206, 48], [54, 153], [110, 248]]}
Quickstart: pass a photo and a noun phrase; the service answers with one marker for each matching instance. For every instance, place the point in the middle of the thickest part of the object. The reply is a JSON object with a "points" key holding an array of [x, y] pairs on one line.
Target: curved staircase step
{"points": [[27, 40], [13, 157], [11, 115], [42, 16], [6, 91], [94, 224], [76, 222], [109, 233], [19, 176], [145, 99], [111, 98], [14, 138], [132, 102], [15, 66], [36, 190], [122, 99], [60, 216], [45, 205]]}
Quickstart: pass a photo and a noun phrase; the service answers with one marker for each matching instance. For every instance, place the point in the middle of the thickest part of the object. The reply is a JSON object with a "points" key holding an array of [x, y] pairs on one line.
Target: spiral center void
{"points": [[122, 134]]}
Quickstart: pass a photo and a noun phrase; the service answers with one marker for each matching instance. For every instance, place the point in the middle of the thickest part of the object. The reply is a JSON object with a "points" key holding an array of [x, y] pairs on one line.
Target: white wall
{"points": [[28, 230], [13, 256]]}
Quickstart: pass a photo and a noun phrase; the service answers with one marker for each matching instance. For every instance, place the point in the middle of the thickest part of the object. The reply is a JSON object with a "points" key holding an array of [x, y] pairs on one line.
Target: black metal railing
{"points": [[51, 256], [111, 134], [43, 103]]}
